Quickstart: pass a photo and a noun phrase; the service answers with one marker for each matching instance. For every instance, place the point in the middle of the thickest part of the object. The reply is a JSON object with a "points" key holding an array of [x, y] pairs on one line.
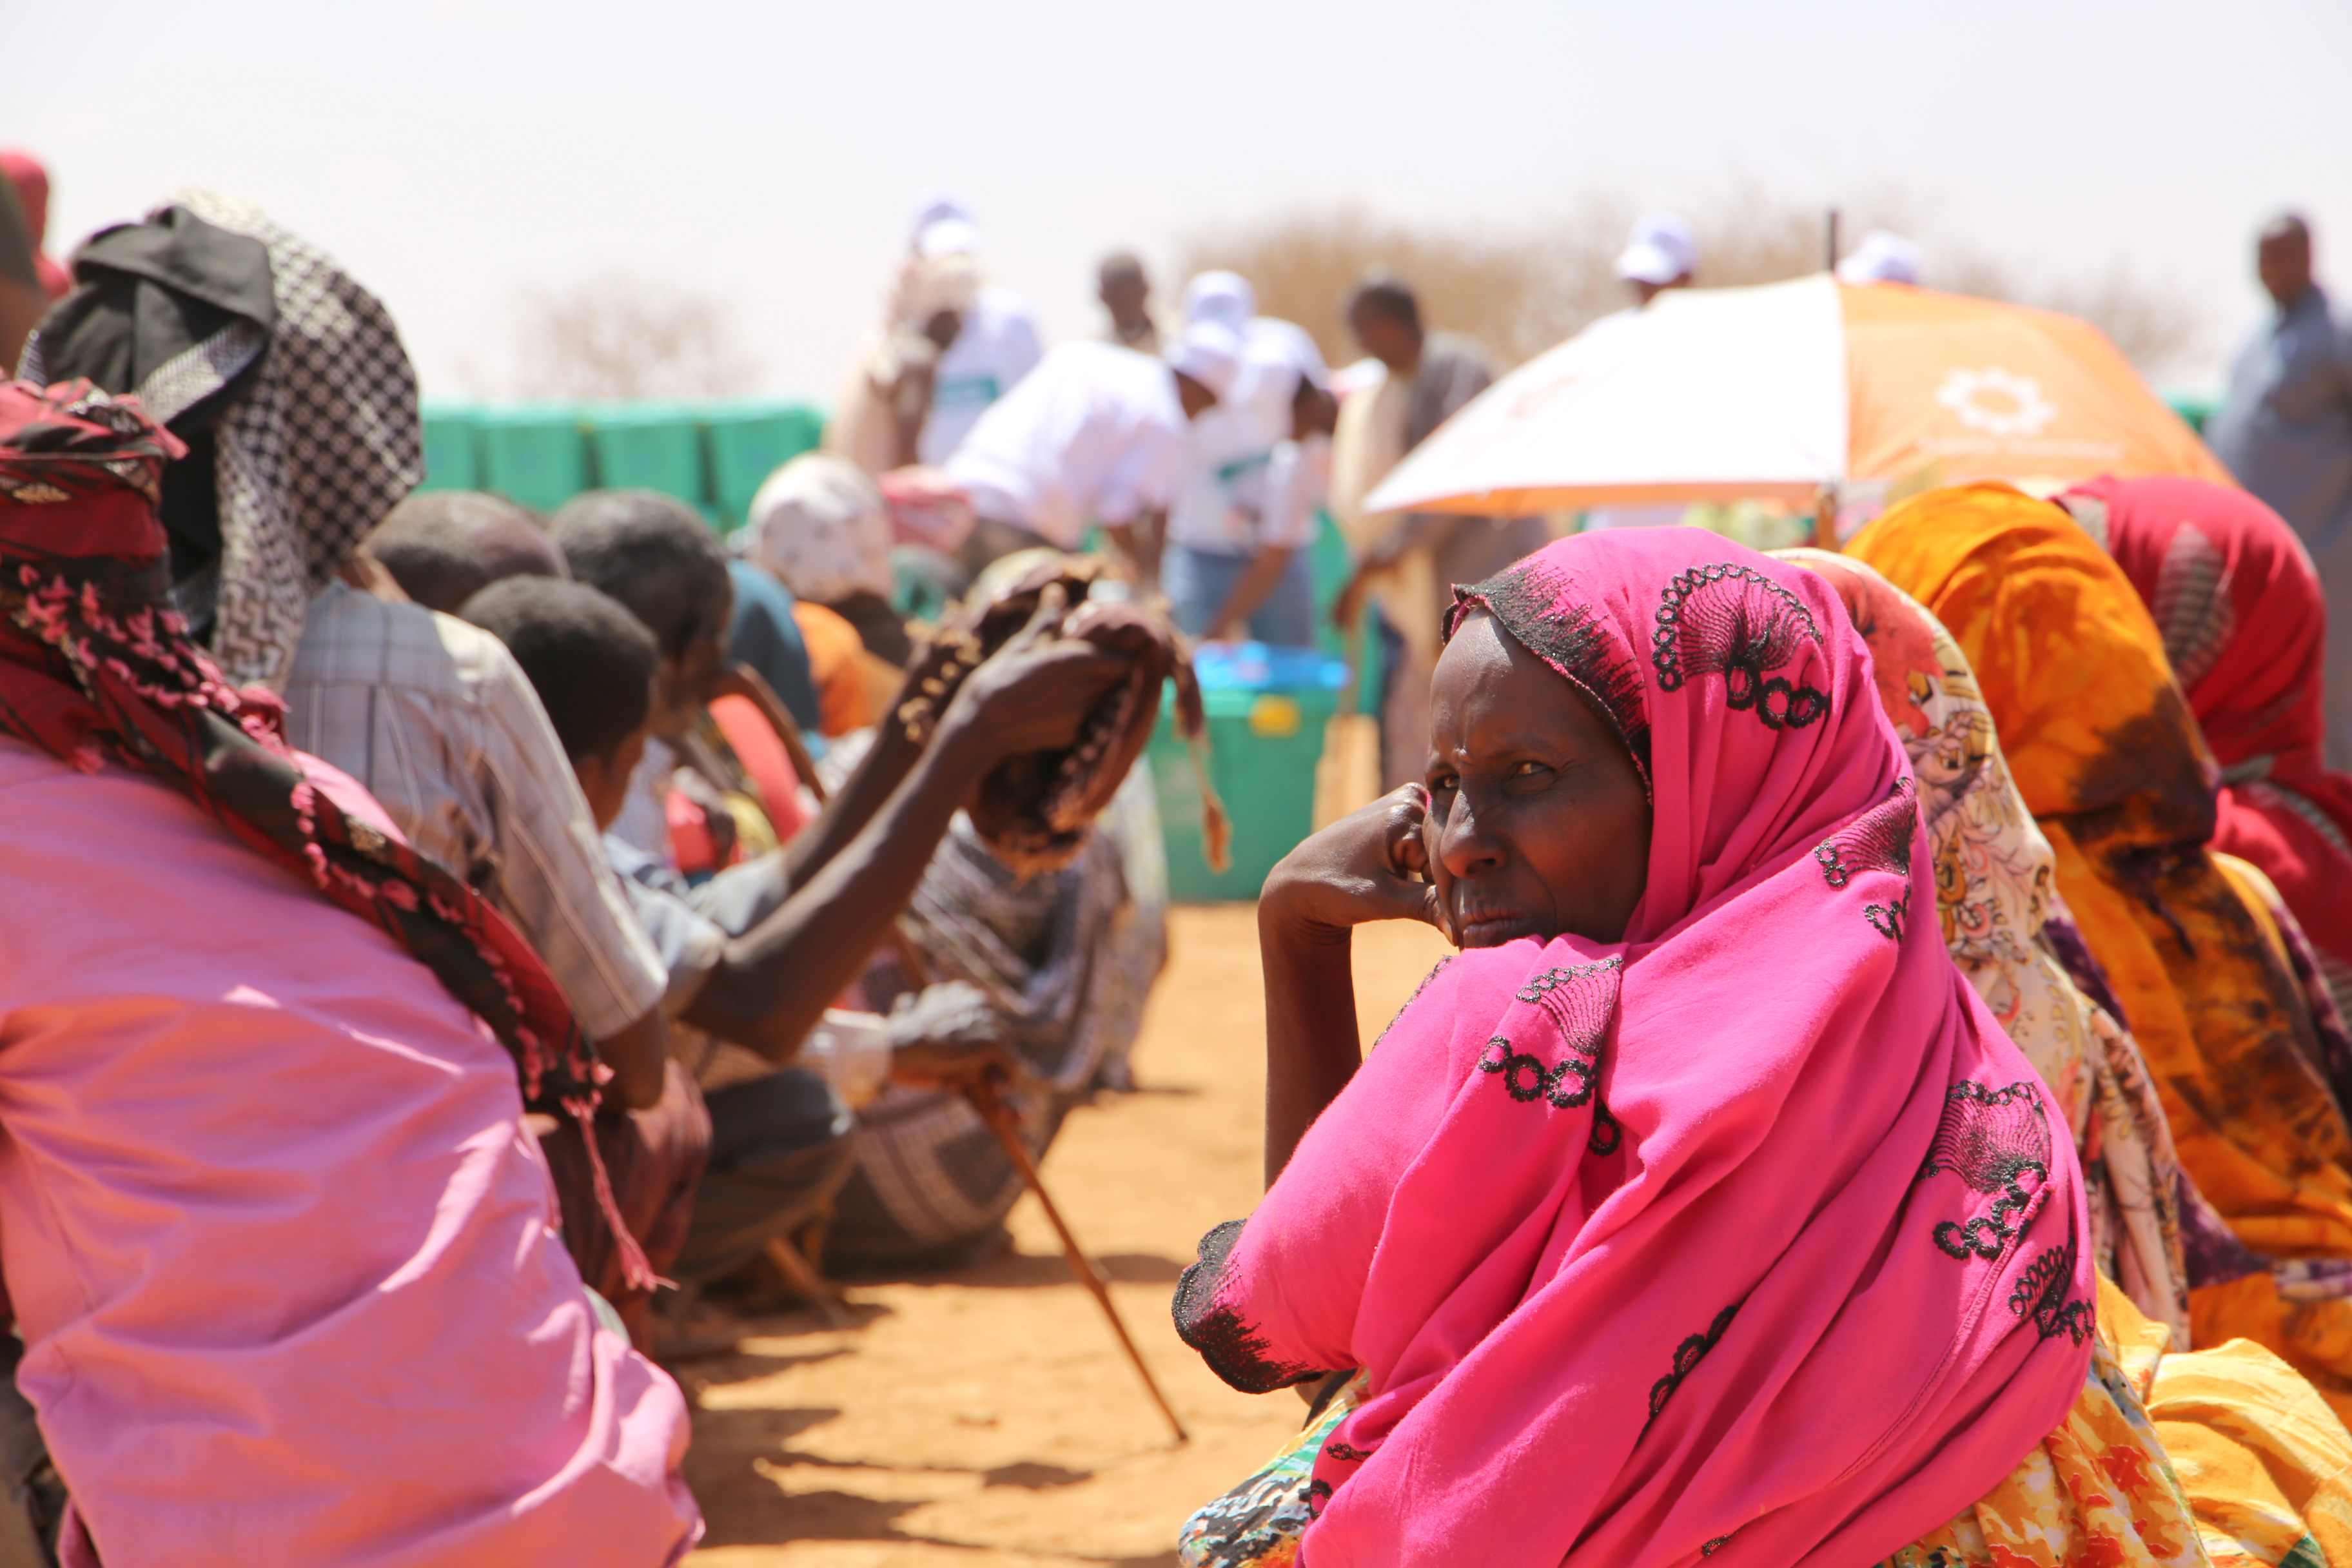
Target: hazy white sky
{"points": [[456, 153]]}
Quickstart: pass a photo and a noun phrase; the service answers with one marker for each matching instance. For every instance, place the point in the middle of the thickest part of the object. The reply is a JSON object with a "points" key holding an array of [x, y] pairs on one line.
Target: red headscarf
{"points": [[1751, 1236], [95, 663], [2239, 603], [32, 182]]}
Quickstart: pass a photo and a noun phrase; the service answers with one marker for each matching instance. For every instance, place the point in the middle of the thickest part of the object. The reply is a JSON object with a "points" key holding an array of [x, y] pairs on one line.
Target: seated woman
{"points": [[2245, 624], [2108, 756], [1699, 1207]]}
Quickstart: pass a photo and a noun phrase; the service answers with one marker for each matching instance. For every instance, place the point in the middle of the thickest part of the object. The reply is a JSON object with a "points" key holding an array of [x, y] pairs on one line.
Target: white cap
{"points": [[1266, 340], [934, 205], [1881, 257], [1210, 354], [944, 226], [1663, 248], [1224, 298]]}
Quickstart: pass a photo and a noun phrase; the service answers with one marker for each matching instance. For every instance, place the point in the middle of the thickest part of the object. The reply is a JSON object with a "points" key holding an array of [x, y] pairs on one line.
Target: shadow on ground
{"points": [[1013, 1270], [737, 1454]]}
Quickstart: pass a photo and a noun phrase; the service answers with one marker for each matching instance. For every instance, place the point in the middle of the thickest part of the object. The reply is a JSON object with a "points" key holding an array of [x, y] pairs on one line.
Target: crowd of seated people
{"points": [[1888, 1102], [269, 1183]]}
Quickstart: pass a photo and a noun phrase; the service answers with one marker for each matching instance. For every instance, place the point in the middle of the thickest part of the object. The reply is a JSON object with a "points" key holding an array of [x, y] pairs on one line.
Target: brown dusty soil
{"points": [[986, 1419]]}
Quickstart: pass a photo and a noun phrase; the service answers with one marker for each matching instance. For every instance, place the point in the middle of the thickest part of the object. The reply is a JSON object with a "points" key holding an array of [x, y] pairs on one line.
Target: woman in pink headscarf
{"points": [[1698, 1208]]}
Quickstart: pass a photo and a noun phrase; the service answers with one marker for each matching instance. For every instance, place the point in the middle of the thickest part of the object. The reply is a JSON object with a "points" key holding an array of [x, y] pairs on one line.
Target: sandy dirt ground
{"points": [[986, 1419]]}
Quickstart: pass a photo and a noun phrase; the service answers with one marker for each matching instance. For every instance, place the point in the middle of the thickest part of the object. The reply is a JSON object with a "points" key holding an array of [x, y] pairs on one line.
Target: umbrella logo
{"points": [[1996, 401]]}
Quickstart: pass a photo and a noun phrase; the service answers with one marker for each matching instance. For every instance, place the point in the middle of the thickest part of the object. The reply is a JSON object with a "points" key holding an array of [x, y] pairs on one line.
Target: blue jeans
{"points": [[1198, 582]]}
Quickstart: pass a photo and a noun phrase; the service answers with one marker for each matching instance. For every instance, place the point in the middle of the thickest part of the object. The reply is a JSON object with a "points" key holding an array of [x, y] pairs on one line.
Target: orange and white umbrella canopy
{"points": [[1776, 392]]}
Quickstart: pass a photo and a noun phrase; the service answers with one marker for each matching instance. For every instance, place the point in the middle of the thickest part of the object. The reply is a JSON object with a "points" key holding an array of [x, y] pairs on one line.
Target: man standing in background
{"points": [[1410, 562], [1241, 532], [2286, 432], [949, 345], [1662, 253], [987, 347], [1126, 294]]}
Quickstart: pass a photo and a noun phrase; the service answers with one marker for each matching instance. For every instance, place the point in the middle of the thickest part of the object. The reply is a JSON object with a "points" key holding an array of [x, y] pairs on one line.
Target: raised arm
{"points": [[777, 978], [1358, 869]]}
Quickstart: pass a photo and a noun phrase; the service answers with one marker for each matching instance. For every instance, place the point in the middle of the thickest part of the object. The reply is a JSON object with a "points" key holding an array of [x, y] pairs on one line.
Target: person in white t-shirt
{"points": [[948, 345], [1240, 532], [985, 349], [1660, 255], [1096, 434]]}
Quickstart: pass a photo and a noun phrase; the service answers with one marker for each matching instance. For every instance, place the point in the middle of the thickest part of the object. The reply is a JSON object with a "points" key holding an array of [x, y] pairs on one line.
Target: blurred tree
{"points": [[1521, 293], [616, 336]]}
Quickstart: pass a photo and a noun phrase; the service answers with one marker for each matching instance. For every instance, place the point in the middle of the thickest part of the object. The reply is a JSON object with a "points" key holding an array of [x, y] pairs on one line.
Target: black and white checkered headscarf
{"points": [[318, 444]]}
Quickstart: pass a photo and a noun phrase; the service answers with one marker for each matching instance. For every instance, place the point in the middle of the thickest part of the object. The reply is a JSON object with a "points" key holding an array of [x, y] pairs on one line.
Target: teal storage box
{"points": [[2196, 407], [750, 441], [650, 447], [536, 455], [453, 459], [1267, 710]]}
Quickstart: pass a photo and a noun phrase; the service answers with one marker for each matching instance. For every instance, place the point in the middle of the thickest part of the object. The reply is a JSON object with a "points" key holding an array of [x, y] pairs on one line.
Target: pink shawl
{"points": [[1747, 1237]]}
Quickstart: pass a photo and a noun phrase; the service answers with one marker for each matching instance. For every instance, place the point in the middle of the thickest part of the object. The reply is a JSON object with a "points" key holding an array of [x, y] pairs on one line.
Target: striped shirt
{"points": [[434, 717]]}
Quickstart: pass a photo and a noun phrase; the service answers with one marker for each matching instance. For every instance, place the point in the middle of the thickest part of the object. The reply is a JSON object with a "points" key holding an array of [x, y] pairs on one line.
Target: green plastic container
{"points": [[1264, 738], [2194, 406], [453, 459], [535, 455], [750, 441], [1333, 565], [650, 447]]}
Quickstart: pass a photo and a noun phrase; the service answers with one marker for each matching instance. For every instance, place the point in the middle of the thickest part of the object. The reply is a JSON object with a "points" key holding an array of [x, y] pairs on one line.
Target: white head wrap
{"points": [[821, 525]]}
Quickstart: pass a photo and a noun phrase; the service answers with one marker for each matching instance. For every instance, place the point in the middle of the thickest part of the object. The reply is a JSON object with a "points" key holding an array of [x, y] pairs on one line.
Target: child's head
{"points": [[654, 554], [593, 664], [443, 547]]}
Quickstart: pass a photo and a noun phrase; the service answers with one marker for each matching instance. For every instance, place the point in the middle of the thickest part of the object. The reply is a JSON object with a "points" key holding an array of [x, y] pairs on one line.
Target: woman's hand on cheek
{"points": [[1358, 870]]}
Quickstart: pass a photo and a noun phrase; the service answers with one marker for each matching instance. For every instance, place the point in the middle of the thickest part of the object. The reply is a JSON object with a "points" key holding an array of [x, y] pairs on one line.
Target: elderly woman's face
{"points": [[1538, 823]]}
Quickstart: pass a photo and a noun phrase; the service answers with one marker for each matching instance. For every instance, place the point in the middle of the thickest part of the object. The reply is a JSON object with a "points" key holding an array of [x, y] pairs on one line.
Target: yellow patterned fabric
{"points": [[2107, 756], [2224, 1456], [2098, 1492], [2265, 1463]]}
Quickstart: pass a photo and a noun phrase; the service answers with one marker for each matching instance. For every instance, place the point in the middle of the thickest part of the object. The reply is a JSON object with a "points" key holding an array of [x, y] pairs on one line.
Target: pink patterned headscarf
{"points": [[1751, 1237]]}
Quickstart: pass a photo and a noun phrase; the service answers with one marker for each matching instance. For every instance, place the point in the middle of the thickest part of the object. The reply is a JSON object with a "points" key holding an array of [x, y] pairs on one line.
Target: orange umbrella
{"points": [[1875, 390]]}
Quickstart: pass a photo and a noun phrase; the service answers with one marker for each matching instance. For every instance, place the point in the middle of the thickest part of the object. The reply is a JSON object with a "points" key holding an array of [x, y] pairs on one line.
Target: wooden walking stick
{"points": [[982, 1094], [1000, 1119]]}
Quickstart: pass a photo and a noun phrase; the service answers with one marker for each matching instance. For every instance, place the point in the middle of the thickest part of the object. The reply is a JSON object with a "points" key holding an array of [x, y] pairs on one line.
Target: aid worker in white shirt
{"points": [[1096, 434], [948, 345], [993, 343], [1241, 532]]}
